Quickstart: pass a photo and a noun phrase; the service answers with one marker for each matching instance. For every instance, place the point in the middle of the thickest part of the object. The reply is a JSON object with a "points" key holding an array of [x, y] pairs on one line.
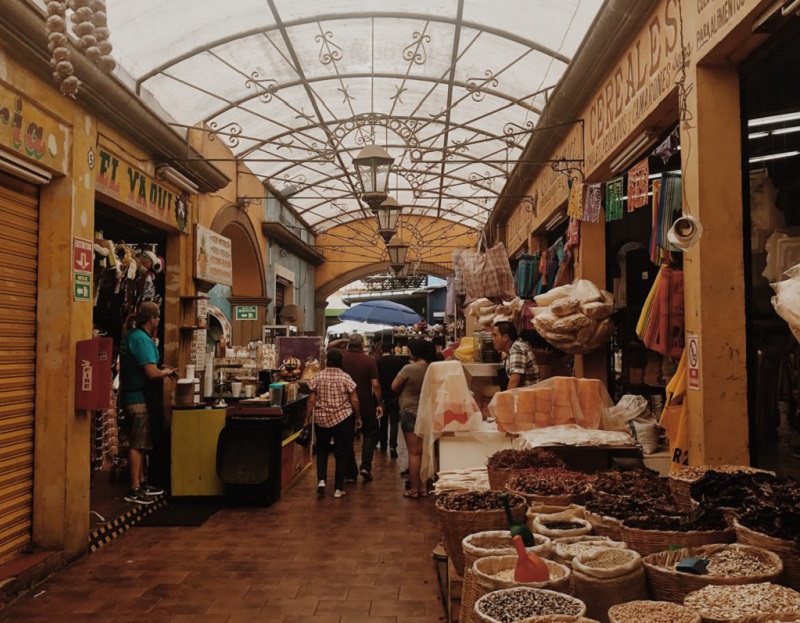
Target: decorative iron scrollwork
{"points": [[329, 52], [513, 131], [415, 52], [531, 204], [266, 88], [405, 128], [476, 86], [231, 132]]}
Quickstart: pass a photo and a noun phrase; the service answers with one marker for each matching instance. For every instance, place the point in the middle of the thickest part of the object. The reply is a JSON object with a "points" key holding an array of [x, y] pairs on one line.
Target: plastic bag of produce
{"points": [[787, 302]]}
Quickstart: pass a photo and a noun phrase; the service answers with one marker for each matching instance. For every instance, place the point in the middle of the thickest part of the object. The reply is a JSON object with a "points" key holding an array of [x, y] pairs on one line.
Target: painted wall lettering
{"points": [[27, 130]]}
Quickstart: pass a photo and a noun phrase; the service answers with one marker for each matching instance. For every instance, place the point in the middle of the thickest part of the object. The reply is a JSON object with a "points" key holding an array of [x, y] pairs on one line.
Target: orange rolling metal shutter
{"points": [[19, 239]]}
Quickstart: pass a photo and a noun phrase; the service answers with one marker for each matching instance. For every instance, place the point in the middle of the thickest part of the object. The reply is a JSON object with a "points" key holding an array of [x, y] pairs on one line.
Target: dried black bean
{"points": [[514, 604]]}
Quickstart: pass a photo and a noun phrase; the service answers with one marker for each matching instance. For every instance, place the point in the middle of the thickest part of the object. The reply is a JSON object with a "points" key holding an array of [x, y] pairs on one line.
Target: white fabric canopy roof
{"points": [[449, 88]]}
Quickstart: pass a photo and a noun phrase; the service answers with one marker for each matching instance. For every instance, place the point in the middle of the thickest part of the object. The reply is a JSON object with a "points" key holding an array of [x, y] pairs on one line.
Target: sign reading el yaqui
{"points": [[213, 257], [122, 181], [30, 132]]}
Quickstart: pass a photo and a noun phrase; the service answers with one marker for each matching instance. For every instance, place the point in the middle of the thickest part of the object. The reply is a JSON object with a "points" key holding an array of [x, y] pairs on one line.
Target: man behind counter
{"points": [[520, 365]]}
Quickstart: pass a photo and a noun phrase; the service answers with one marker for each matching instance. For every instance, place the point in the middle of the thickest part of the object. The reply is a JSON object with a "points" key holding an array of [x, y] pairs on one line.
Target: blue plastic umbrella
{"points": [[382, 312]]}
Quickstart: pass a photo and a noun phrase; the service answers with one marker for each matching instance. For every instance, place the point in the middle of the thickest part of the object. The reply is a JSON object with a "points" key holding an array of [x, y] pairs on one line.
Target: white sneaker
{"points": [[321, 487], [339, 493]]}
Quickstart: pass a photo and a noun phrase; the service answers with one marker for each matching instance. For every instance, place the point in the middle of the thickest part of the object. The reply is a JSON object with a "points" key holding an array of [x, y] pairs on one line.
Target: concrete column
{"points": [[591, 264], [714, 272], [319, 317]]}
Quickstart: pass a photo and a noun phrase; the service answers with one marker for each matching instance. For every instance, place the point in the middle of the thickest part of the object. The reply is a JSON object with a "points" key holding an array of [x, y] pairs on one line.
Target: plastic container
{"points": [[184, 392], [276, 394]]}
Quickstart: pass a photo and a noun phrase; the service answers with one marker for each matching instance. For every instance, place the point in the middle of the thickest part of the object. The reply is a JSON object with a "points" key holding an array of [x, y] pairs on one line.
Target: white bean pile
{"points": [[730, 602], [737, 563], [610, 558], [651, 612]]}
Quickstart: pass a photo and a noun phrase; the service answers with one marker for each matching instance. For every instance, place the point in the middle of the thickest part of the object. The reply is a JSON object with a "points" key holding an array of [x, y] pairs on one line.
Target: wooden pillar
{"points": [[714, 273], [591, 265]]}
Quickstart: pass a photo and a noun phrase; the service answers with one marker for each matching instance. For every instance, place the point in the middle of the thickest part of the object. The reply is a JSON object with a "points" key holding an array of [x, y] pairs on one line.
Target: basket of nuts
{"points": [[651, 612], [514, 605], [718, 604], [461, 514], [727, 564]]}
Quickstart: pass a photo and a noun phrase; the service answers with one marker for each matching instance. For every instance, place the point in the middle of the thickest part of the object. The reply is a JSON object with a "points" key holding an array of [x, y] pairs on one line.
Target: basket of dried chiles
{"points": [[732, 603], [651, 612], [728, 491], [461, 514], [512, 605], [499, 543], [553, 486], [682, 479], [655, 532], [504, 464], [711, 564]]}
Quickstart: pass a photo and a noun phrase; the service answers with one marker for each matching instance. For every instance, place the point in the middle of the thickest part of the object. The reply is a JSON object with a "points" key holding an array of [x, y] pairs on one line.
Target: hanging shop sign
{"points": [[246, 312], [82, 262], [639, 82], [693, 361], [137, 189], [30, 132], [213, 257]]}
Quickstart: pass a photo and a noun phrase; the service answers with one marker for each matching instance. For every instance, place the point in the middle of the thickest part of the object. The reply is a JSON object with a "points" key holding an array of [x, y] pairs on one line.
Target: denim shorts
{"points": [[408, 420]]}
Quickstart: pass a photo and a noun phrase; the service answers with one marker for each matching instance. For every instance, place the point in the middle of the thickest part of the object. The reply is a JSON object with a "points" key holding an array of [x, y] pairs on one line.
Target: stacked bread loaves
{"points": [[575, 318]]}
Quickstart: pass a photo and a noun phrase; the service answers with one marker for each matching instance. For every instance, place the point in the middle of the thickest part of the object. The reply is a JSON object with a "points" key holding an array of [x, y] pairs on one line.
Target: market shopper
{"points": [[408, 384], [389, 365], [364, 371], [333, 407], [520, 366], [141, 382]]}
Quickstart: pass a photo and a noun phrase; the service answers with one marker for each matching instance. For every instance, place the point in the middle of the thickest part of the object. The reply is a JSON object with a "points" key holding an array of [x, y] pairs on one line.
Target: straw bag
{"points": [[600, 588], [486, 273], [485, 580], [648, 542], [667, 584], [651, 610], [783, 548], [499, 543], [455, 525], [537, 600], [604, 526]]}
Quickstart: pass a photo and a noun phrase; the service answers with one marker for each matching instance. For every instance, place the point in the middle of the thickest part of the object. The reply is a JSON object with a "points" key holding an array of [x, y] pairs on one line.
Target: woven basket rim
{"points": [[512, 561], [511, 503], [565, 596], [655, 561], [648, 602]]}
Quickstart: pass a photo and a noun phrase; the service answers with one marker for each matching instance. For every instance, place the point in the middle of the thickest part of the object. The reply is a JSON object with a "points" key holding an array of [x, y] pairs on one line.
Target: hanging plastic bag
{"points": [[486, 272], [675, 418]]}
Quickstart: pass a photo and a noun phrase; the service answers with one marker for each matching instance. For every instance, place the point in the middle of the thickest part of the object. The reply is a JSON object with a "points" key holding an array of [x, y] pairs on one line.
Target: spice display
{"points": [[773, 508], [567, 551], [524, 459], [551, 481], [727, 488], [508, 606], [622, 507], [652, 612], [637, 483], [701, 519], [563, 525], [476, 501], [736, 563], [741, 600], [610, 558]]}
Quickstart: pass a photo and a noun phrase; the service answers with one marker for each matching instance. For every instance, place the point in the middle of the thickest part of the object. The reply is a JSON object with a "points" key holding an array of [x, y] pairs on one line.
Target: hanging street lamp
{"points": [[388, 214], [398, 250], [372, 165]]}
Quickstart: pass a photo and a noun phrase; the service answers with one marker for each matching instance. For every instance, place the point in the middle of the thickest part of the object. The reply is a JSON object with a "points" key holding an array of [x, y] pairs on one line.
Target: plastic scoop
{"points": [[530, 568]]}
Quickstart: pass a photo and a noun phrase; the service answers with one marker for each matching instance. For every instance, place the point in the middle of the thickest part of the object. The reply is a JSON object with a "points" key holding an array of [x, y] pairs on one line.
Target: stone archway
{"points": [[325, 290]]}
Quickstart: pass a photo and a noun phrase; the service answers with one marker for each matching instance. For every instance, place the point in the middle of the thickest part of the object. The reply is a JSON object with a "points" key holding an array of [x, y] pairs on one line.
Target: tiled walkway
{"points": [[360, 559]]}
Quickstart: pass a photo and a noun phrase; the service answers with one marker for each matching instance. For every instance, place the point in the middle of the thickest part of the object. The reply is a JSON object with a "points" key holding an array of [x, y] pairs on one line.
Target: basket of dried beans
{"points": [[651, 533], [461, 514], [682, 479], [504, 464], [718, 604], [553, 486], [515, 605], [499, 543], [727, 564], [651, 612], [559, 618]]}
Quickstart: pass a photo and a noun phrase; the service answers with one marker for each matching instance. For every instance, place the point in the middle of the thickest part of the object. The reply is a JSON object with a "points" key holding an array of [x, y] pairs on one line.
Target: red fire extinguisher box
{"points": [[93, 374]]}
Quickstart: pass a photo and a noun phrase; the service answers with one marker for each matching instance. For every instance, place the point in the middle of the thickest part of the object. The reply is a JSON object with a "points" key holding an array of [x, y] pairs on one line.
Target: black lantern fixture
{"points": [[398, 250], [372, 165], [388, 214]]}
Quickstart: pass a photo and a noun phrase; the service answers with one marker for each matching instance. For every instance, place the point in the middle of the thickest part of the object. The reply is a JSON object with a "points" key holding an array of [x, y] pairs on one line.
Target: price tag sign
{"points": [[693, 353], [246, 312]]}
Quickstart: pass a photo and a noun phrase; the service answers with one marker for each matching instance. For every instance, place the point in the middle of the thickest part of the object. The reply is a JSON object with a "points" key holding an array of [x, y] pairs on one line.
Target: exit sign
{"points": [[246, 312]]}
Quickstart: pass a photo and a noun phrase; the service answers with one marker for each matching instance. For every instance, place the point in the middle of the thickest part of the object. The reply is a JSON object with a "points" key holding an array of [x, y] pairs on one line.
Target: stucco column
{"points": [[714, 276], [319, 317], [591, 265]]}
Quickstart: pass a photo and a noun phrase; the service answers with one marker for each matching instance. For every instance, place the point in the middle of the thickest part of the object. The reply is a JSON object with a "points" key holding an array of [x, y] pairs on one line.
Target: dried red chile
{"points": [[524, 459], [551, 481], [476, 501], [636, 483]]}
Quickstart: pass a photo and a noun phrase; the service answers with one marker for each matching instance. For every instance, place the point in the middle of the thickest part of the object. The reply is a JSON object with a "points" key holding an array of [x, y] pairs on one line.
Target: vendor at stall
{"points": [[520, 365]]}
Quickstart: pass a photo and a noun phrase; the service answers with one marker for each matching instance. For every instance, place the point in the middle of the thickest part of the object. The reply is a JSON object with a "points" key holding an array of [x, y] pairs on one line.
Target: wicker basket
{"points": [[499, 476], [660, 609], [557, 552], [483, 582], [648, 542], [481, 617], [731, 594], [771, 618], [601, 594], [473, 548], [681, 486], [558, 618], [667, 584], [469, 595], [784, 549], [455, 525], [604, 526]]}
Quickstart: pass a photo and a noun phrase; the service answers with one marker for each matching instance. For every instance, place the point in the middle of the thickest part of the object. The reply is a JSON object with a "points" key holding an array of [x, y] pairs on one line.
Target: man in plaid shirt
{"points": [[520, 365], [333, 407]]}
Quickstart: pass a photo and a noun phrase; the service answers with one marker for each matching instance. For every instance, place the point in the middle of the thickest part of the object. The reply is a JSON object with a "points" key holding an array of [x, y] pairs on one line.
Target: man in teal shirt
{"points": [[140, 378]]}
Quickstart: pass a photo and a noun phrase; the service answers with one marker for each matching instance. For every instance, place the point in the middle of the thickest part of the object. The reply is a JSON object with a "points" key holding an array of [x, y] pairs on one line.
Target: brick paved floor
{"points": [[365, 558]]}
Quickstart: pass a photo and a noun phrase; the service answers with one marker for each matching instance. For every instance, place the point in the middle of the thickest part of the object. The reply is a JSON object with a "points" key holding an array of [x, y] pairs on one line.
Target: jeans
{"points": [[389, 424], [369, 436], [342, 435]]}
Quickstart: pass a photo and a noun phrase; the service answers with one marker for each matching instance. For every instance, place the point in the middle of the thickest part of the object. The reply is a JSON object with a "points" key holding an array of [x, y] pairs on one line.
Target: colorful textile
{"points": [[575, 205], [520, 361], [333, 388], [592, 198], [669, 203], [638, 178], [614, 194], [661, 324]]}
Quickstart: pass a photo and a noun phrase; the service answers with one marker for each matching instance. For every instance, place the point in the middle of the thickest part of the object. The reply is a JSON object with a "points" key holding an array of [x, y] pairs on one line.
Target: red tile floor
{"points": [[363, 558]]}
